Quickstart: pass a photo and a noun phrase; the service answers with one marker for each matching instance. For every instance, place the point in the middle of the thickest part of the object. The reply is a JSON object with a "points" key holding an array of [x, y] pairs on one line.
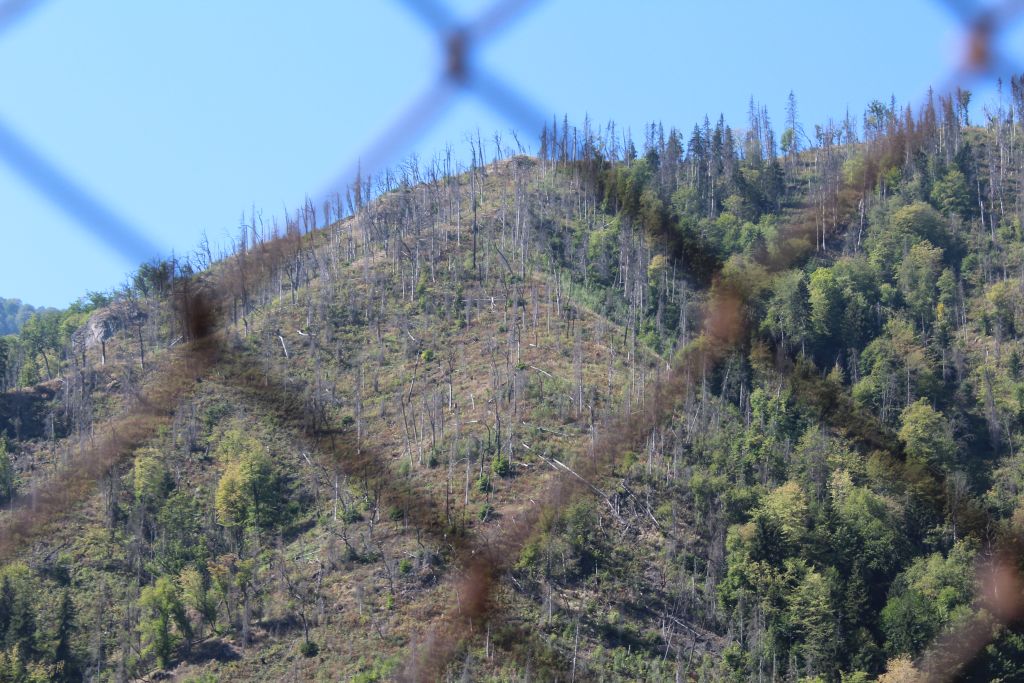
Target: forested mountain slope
{"points": [[718, 409], [14, 314]]}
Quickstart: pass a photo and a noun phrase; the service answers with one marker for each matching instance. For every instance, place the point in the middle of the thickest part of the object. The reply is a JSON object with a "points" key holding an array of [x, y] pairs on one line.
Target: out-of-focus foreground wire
{"points": [[13, 11], [460, 73], [983, 25], [982, 28], [92, 215]]}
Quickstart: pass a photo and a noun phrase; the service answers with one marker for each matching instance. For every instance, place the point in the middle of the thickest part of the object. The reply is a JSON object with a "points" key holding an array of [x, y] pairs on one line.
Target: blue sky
{"points": [[179, 116]]}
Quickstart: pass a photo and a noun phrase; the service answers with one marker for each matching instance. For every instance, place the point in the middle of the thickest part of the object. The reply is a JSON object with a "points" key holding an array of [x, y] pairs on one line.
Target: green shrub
{"points": [[502, 466], [486, 510]]}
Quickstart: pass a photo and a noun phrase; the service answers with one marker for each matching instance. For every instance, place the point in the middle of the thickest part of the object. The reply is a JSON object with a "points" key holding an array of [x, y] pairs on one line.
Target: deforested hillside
{"points": [[707, 406]]}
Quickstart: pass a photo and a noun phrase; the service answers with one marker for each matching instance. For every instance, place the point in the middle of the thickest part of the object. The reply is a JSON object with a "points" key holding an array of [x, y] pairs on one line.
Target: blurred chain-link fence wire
{"points": [[983, 26], [461, 74]]}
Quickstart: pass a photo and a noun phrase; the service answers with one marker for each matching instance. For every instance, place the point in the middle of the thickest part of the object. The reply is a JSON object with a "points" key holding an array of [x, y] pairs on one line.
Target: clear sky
{"points": [[178, 116]]}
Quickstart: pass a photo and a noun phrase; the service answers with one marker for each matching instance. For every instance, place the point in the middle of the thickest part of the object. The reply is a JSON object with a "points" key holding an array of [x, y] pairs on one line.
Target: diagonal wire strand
{"points": [[100, 221], [1008, 11], [970, 11], [965, 11], [14, 11], [459, 76], [399, 136], [508, 102]]}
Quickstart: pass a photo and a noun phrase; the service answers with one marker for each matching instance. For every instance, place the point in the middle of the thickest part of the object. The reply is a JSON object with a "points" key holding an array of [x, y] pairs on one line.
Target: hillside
{"points": [[13, 314], [721, 409]]}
